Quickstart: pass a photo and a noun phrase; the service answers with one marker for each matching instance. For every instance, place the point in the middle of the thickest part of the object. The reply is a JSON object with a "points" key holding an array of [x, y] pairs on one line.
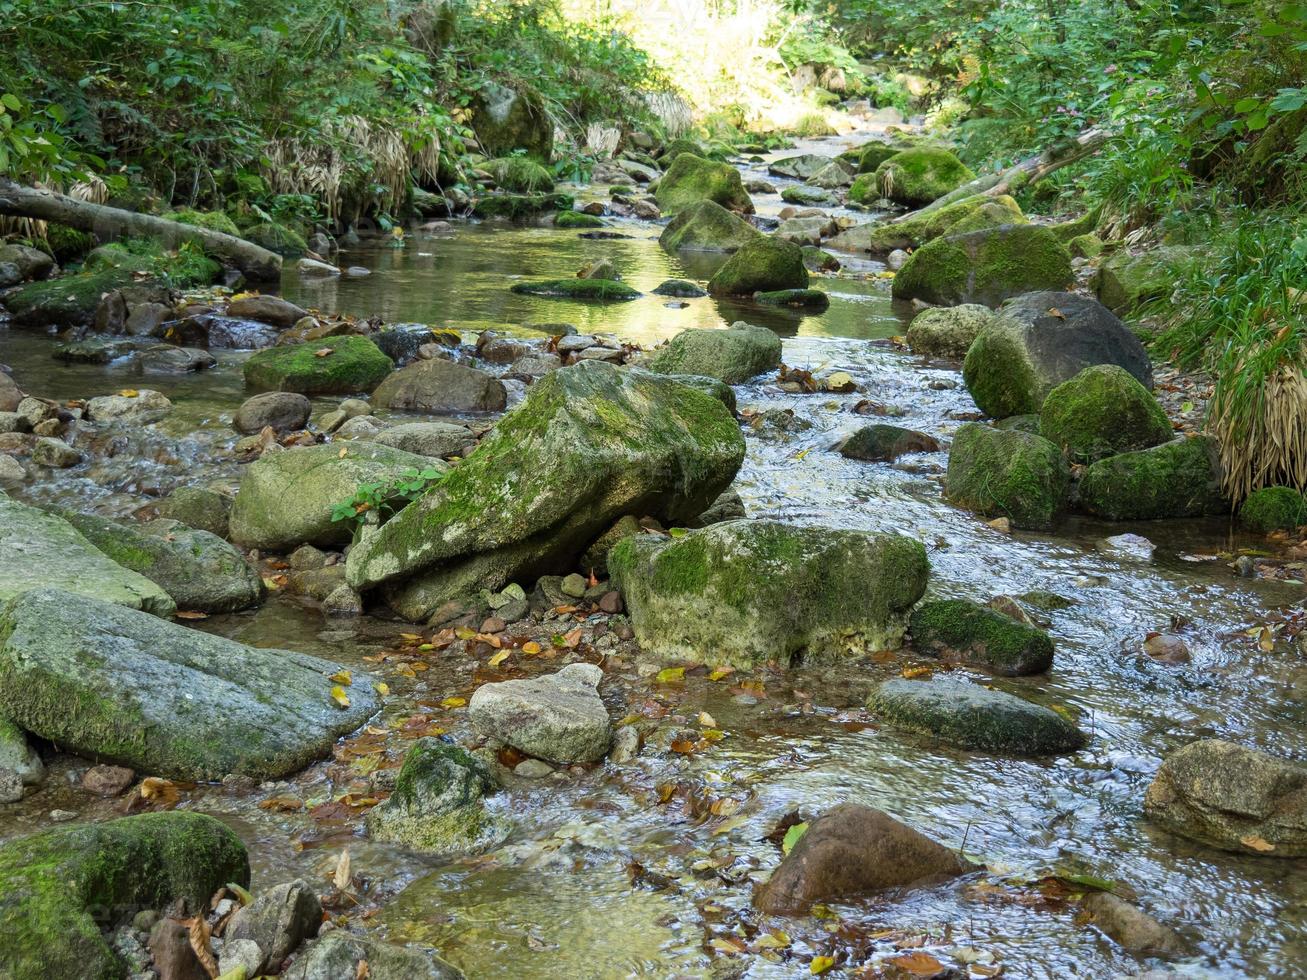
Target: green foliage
{"points": [[386, 498]]}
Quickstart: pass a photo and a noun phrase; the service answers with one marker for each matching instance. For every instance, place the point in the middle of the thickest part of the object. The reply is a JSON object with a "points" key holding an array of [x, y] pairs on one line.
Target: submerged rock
{"points": [[974, 717], [986, 266], [349, 365], [758, 266], [62, 889], [706, 226], [1130, 928], [799, 167], [958, 631], [1180, 478], [599, 289], [733, 355], [143, 407], [441, 386], [691, 179], [1007, 473], [679, 288], [881, 443], [163, 698], [558, 717], [795, 299], [436, 803], [1100, 412], [853, 850], [339, 955], [947, 331], [1232, 797], [746, 592]]}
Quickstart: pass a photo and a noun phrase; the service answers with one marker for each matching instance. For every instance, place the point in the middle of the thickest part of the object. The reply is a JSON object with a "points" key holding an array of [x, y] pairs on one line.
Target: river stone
{"points": [[169, 359], [947, 331], [986, 266], [10, 394], [1040, 340], [691, 179], [202, 508], [600, 441], [11, 471], [267, 309], [918, 175], [54, 453], [706, 226], [30, 263], [802, 231], [973, 717], [354, 364], [284, 411], [747, 592], [761, 265], [278, 921], [882, 443], [199, 570], [144, 407], [559, 717], [679, 288], [733, 355], [286, 498], [441, 386], [1100, 412], [853, 850], [40, 549], [1007, 473], [1180, 478], [63, 892], [534, 365], [426, 438], [436, 805], [1130, 928], [962, 632], [20, 764], [1233, 798], [339, 955], [165, 699], [799, 167], [215, 332]]}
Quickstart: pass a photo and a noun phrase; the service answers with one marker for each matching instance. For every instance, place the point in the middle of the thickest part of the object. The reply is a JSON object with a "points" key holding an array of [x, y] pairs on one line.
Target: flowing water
{"points": [[627, 871]]}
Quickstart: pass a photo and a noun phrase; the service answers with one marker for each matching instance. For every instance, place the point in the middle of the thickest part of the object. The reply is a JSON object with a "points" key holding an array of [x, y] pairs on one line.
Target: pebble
{"points": [[574, 585], [611, 603], [62, 816], [494, 624], [1128, 545], [107, 780], [626, 744], [533, 769], [1167, 648]]}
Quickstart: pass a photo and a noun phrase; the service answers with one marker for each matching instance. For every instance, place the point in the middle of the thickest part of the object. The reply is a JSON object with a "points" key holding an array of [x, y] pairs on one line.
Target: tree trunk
{"points": [[109, 223], [1026, 172]]}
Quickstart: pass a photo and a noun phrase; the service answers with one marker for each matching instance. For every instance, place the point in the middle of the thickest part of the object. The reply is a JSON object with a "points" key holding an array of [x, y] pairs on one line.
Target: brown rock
{"points": [[1167, 648], [170, 945], [107, 780], [494, 625], [1130, 928], [10, 395], [267, 309], [611, 603], [854, 850]]}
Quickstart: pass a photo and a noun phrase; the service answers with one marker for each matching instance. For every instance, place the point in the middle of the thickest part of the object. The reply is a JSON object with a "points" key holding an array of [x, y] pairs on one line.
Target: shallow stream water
{"points": [[610, 873]]}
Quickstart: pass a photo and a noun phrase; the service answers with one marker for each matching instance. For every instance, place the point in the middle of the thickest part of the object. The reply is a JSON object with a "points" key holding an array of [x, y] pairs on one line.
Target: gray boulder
{"points": [[202, 508], [277, 921], [141, 408], [733, 355], [339, 954], [441, 386], [559, 717], [284, 411], [427, 438]]}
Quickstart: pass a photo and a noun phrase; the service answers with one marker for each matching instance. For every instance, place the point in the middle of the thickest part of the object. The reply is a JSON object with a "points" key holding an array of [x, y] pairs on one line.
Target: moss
{"points": [[918, 176], [884, 443], [918, 229], [1100, 412], [600, 289], [68, 244], [276, 238], [212, 220], [66, 301], [1273, 509], [1088, 246], [356, 364], [865, 189], [947, 331], [520, 205], [1009, 474], [706, 226], [873, 155], [1086, 224], [958, 631], [1021, 423], [761, 265], [61, 888], [999, 374], [819, 260], [1180, 478], [802, 195], [691, 179], [984, 266], [1125, 281], [733, 355], [801, 299], [678, 146], [577, 219], [522, 175]]}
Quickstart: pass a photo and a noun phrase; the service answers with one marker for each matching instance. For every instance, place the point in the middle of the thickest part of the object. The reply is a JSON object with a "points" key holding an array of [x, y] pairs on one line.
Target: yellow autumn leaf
{"points": [[382, 688], [531, 648], [773, 940], [669, 675], [1257, 843], [721, 672], [499, 658], [339, 696], [453, 702], [820, 964], [129, 392], [342, 677], [706, 720]]}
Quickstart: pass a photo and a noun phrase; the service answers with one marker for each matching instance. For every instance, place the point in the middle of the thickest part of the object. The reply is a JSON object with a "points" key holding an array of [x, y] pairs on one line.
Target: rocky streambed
{"points": [[537, 756]]}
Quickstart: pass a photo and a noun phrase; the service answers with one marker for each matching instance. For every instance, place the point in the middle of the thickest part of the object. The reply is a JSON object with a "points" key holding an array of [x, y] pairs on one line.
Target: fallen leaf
{"points": [[323, 352], [454, 702], [282, 804], [670, 675], [531, 648], [342, 677], [129, 393], [198, 931], [185, 614], [339, 696], [382, 688], [499, 658], [341, 879], [772, 940], [706, 720], [1260, 844], [161, 791], [721, 672], [792, 837], [820, 964], [918, 963]]}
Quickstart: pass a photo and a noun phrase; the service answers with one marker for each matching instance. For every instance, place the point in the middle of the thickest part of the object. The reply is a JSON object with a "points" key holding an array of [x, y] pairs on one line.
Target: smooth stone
{"points": [[283, 411], [559, 717]]}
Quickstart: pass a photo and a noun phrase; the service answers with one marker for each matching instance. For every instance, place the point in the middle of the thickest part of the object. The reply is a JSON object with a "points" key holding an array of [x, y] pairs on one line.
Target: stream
{"points": [[624, 871]]}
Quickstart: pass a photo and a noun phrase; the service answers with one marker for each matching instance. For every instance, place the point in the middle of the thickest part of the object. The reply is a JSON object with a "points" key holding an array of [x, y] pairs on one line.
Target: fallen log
{"points": [[108, 223]]}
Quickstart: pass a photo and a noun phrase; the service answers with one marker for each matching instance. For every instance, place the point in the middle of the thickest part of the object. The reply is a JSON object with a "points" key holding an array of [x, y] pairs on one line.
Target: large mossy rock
{"points": [[276, 237], [1007, 473], [1040, 340], [917, 176], [118, 685], [506, 119], [1273, 509], [972, 717], [199, 570], [799, 167], [958, 631], [986, 266], [915, 230], [948, 331], [438, 385], [760, 266], [692, 179], [1100, 412], [749, 592], [62, 892], [706, 226], [354, 364], [1180, 478], [1124, 281], [43, 550], [1232, 797], [733, 355], [68, 301], [286, 498], [590, 444]]}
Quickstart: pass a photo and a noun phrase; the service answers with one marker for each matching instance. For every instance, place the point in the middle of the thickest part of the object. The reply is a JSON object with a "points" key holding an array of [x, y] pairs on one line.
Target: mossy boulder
{"points": [[799, 167], [1180, 478], [436, 805], [506, 118], [1088, 246], [354, 364], [68, 244], [680, 288], [41, 549], [985, 266], [691, 179], [1125, 281], [678, 146], [27, 262], [577, 219], [588, 289], [882, 443], [1273, 509], [1100, 412], [1040, 340], [212, 220], [279, 238], [515, 206], [761, 265], [200, 571], [805, 196], [286, 498], [118, 685], [813, 300], [749, 592], [962, 632], [872, 155], [865, 189], [915, 230], [67, 301], [602, 441], [919, 175], [1010, 474], [972, 717], [64, 891], [202, 508], [522, 175], [733, 355], [706, 226], [947, 331]]}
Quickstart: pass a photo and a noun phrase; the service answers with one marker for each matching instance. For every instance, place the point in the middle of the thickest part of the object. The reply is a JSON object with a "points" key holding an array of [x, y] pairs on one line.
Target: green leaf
{"points": [[792, 837], [11, 101]]}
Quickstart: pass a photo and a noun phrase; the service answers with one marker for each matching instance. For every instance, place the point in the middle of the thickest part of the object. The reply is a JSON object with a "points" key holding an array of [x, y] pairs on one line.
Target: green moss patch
{"points": [[1009, 474], [1180, 478], [984, 266], [691, 179], [918, 176], [354, 364], [597, 289], [1100, 412], [577, 219], [761, 265], [798, 299], [1273, 509], [958, 631]]}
